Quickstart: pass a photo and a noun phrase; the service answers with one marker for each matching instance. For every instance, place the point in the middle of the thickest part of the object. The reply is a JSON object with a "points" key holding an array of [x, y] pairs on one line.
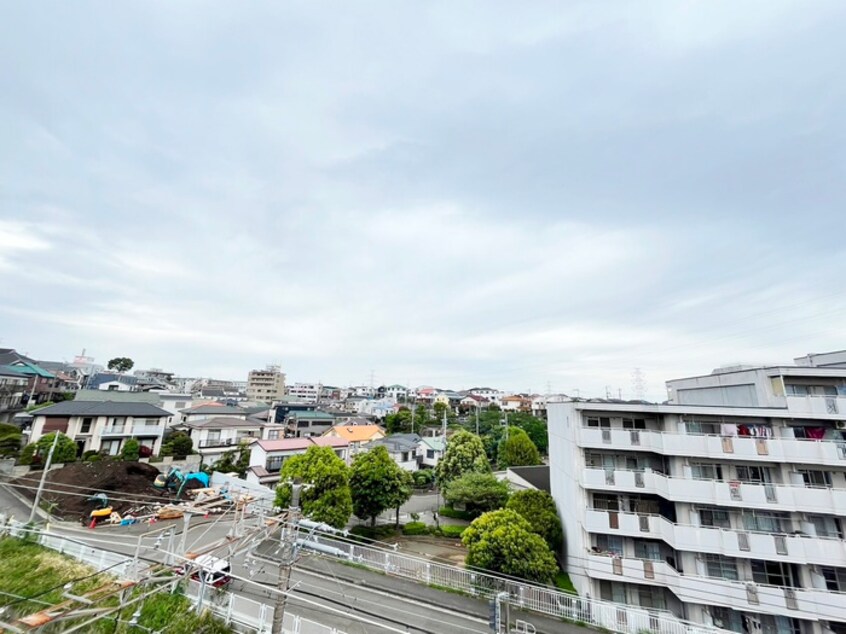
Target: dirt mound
{"points": [[128, 485]]}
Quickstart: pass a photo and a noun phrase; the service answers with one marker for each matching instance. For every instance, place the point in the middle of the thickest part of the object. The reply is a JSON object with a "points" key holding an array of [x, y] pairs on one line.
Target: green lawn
{"points": [[562, 581]]}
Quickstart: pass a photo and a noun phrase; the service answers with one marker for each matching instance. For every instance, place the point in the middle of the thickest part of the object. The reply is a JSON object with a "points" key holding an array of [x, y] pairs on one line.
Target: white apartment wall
{"points": [[566, 462]]}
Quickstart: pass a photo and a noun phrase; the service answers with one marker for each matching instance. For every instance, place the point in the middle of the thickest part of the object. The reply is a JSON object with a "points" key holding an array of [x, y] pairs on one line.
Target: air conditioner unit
{"points": [[841, 424]]}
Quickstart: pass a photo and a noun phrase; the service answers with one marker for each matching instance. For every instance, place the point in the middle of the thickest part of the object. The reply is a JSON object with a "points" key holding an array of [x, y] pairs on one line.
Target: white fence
{"points": [[616, 617], [243, 614]]}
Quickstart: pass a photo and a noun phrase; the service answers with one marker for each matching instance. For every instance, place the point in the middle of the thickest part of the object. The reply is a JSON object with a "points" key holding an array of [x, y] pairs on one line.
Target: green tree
{"points": [[131, 450], [65, 449], [328, 498], [377, 484], [517, 450], [121, 364], [535, 427], [478, 492], [538, 508], [230, 462], [464, 454], [401, 493], [10, 440], [177, 444], [421, 416], [503, 541], [439, 410], [399, 422]]}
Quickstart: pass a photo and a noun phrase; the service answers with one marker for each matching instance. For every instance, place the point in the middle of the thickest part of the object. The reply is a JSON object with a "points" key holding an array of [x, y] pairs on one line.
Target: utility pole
{"points": [[288, 538], [43, 477]]}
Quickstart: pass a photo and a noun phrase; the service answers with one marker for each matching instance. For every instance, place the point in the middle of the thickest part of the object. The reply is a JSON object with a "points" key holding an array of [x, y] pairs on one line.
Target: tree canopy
{"points": [[377, 484], [328, 499], [10, 439], [538, 508], [229, 463], [478, 492], [399, 422], [502, 541], [131, 450], [516, 449], [121, 364], [177, 444], [65, 449], [464, 454]]}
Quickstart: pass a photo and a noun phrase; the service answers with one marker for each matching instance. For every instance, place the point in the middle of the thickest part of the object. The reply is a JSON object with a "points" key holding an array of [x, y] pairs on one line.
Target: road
{"points": [[393, 602]]}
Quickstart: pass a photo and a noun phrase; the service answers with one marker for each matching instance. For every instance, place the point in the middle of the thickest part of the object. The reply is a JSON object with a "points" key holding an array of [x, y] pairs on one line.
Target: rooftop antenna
{"points": [[638, 384]]}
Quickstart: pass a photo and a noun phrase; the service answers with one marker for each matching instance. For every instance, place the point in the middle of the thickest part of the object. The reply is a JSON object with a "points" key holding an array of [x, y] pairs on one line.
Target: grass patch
{"points": [[39, 574], [562, 582], [378, 532], [415, 528], [455, 514]]}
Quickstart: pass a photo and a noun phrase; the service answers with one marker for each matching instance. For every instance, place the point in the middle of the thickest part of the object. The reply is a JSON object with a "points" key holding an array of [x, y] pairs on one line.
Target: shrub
{"points": [[451, 530], [424, 478], [131, 450], [457, 515], [415, 528], [28, 454], [88, 455]]}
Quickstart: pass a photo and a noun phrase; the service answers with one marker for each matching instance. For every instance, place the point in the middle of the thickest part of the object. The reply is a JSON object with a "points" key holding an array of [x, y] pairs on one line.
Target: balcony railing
{"points": [[788, 547], [792, 450], [803, 603], [219, 442], [133, 430], [713, 492]]}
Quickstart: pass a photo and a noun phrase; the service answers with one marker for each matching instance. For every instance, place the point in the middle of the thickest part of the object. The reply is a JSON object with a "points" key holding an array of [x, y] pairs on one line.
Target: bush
{"points": [[477, 492], [451, 530], [415, 528], [95, 458], [379, 532], [28, 454], [424, 478], [131, 450], [458, 515], [88, 455]]}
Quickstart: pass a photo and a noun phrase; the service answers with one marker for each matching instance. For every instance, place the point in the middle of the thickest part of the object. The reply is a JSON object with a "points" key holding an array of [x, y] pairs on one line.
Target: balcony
{"points": [[219, 442], [812, 604], [811, 452], [833, 406], [712, 492], [799, 549], [132, 430]]}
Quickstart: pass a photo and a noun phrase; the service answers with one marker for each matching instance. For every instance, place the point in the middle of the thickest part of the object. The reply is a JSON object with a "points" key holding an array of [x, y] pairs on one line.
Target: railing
{"points": [[734, 542], [219, 442], [136, 429], [617, 617], [770, 449]]}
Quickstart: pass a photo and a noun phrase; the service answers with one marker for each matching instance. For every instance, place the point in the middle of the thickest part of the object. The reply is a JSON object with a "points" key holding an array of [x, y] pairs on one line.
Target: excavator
{"points": [[176, 481]]}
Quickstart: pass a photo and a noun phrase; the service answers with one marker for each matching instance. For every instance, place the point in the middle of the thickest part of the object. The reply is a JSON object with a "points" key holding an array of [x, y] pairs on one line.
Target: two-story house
{"points": [[268, 456], [103, 425], [301, 423], [402, 448], [356, 435], [213, 437], [12, 392]]}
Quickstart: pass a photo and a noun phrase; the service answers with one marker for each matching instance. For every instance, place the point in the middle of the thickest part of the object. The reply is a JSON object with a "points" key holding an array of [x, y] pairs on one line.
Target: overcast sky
{"points": [[525, 195]]}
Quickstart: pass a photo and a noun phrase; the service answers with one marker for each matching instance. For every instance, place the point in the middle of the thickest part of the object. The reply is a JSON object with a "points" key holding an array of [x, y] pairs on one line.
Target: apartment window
{"points": [[634, 423], [714, 517], [835, 579], [827, 526], [599, 421], [753, 474], [766, 521], [706, 471], [648, 550], [606, 502], [85, 427], [274, 463], [648, 597], [610, 544], [273, 434], [774, 573], [726, 618], [816, 478], [720, 567], [213, 436], [430, 453], [798, 390], [696, 427]]}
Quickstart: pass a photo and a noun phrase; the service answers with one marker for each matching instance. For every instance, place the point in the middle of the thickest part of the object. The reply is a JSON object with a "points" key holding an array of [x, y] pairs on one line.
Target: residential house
{"points": [[401, 447], [516, 403], [103, 425], [204, 411], [430, 450], [307, 423], [493, 396], [215, 436], [379, 408], [472, 402], [268, 456], [397, 392], [356, 435], [42, 385], [287, 404], [12, 392]]}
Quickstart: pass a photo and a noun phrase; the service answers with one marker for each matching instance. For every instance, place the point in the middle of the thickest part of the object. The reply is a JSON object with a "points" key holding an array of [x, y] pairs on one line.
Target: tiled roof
{"points": [[355, 433], [294, 444], [102, 408]]}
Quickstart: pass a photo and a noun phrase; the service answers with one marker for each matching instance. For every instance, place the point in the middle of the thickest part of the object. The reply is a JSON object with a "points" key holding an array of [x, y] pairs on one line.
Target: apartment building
{"points": [[308, 392], [266, 385], [724, 506]]}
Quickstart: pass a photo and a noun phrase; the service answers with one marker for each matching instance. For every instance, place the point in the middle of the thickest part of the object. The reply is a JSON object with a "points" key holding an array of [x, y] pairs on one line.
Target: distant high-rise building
{"points": [[266, 385]]}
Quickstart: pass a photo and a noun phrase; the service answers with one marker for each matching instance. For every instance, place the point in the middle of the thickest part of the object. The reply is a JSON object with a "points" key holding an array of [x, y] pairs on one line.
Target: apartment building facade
{"points": [[308, 392], [724, 506], [266, 385]]}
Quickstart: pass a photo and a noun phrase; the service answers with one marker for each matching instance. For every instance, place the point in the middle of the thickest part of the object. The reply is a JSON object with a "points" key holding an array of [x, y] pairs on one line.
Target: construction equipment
{"points": [[176, 481], [101, 512]]}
